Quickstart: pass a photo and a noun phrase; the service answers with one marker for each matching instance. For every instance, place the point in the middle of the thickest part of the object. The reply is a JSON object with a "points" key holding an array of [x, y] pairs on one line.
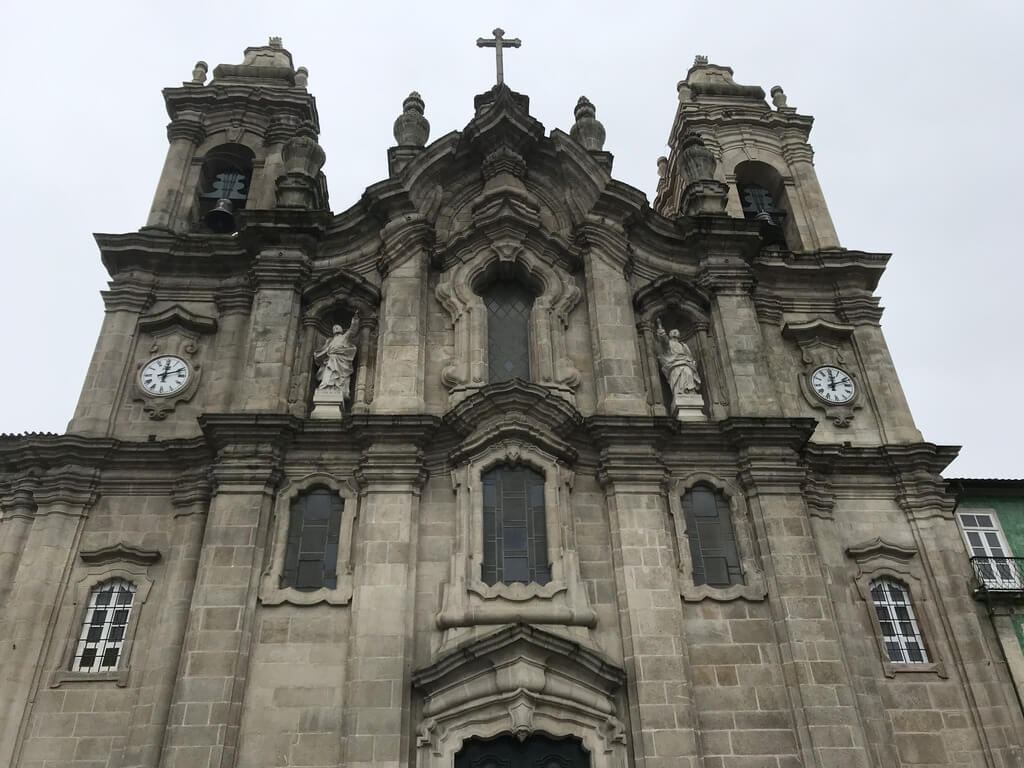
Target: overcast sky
{"points": [[917, 145]]}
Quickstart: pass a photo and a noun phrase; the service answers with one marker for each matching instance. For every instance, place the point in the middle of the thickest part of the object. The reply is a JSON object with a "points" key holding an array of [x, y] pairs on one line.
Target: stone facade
{"points": [[189, 496]]}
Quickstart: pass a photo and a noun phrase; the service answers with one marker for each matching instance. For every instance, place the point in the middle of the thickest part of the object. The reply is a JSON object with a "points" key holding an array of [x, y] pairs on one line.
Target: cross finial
{"points": [[497, 43]]}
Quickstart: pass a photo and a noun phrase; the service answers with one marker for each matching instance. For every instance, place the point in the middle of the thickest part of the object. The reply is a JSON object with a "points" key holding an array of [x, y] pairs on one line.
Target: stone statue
{"points": [[677, 363], [335, 358]]}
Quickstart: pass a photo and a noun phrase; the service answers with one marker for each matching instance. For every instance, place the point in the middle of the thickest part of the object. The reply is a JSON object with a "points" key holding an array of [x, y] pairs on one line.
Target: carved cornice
{"points": [[606, 239], [335, 286], [234, 297], [120, 552], [160, 252], [817, 330], [818, 495], [880, 548], [129, 293], [852, 270], [46, 452], [494, 401], [403, 238], [220, 103], [248, 449], [859, 310], [177, 316], [17, 499], [726, 276], [671, 291], [188, 126]]}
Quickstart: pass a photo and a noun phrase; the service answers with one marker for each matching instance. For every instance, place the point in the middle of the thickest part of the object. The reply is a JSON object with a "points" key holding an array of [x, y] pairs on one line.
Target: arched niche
{"points": [[763, 197], [334, 299], [555, 295], [679, 304], [225, 173]]}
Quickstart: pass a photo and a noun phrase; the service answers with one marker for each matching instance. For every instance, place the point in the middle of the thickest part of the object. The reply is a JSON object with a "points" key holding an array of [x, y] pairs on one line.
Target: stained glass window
{"points": [[716, 560], [900, 631], [104, 626], [311, 556], [515, 528], [508, 330]]}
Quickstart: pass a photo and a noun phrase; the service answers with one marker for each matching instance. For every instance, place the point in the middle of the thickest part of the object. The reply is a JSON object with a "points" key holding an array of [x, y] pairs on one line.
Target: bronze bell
{"points": [[222, 218]]}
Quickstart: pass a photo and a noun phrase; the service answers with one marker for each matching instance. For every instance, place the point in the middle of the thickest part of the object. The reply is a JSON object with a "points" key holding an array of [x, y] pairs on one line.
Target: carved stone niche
{"points": [[519, 680], [822, 342], [512, 423], [333, 297], [481, 260], [679, 305], [172, 331]]}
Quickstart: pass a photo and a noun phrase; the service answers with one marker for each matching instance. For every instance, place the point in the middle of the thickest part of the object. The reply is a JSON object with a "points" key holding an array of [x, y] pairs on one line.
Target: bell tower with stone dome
{"points": [[502, 465]]}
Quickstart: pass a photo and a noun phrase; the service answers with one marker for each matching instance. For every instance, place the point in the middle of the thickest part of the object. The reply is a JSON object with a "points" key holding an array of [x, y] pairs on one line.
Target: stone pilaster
{"points": [[278, 275], [205, 714], [749, 380], [191, 499], [659, 686], [184, 133], [234, 303], [891, 406], [378, 684], [816, 229], [402, 344], [618, 372], [108, 369], [828, 727], [17, 510], [63, 500]]}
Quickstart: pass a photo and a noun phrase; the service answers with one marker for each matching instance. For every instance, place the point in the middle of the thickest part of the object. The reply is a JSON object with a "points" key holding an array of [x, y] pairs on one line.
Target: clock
{"points": [[164, 376], [833, 385]]}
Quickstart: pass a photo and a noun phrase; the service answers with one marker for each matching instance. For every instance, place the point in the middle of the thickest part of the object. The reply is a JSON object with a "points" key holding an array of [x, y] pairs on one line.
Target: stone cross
{"points": [[497, 43]]}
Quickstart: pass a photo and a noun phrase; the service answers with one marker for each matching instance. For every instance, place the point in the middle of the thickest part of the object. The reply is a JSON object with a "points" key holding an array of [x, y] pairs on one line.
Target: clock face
{"points": [[164, 375], [833, 385]]}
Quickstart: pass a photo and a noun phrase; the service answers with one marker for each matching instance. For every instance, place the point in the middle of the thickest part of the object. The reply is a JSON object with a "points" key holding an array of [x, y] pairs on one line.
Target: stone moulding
{"points": [[519, 680], [466, 601], [556, 294], [120, 552], [271, 592], [753, 587], [822, 342]]}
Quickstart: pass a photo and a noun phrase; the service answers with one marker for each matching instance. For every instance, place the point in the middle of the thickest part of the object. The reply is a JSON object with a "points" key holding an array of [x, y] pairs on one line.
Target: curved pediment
{"points": [[177, 316], [670, 292], [514, 409], [340, 286]]}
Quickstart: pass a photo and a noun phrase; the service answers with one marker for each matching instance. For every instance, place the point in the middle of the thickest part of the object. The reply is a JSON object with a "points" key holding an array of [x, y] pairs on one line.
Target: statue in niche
{"points": [[679, 368], [334, 376]]}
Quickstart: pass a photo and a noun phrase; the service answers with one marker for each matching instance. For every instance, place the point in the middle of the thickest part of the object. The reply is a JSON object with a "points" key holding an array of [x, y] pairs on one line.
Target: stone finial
{"points": [[700, 60], [411, 128], [778, 98], [697, 161], [199, 72], [662, 167], [301, 77], [275, 42], [587, 130]]}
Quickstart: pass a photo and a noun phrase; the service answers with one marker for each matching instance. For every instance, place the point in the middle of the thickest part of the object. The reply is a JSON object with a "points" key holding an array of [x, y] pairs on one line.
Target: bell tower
{"points": [[231, 143], [761, 153]]}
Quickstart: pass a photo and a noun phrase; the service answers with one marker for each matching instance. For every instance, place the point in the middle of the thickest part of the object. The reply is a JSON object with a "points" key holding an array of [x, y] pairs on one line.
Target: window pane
{"points": [[103, 629], [711, 538], [514, 539], [508, 330], [516, 569], [311, 553], [514, 528], [897, 623]]}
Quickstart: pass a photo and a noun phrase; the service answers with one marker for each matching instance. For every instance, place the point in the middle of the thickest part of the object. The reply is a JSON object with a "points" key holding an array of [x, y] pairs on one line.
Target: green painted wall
{"points": [[1010, 511]]}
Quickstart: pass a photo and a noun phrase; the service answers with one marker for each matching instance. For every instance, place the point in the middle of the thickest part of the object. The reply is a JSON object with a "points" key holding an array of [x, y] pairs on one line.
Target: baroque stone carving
{"points": [[679, 368], [411, 128], [587, 130], [334, 377], [822, 343]]}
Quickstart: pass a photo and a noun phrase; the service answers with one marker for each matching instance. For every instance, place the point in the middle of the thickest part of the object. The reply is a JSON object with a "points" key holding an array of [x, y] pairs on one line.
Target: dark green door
{"points": [[535, 752]]}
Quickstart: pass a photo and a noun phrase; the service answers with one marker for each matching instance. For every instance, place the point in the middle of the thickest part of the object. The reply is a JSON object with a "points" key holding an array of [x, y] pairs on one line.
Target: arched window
{"points": [[311, 554], [514, 527], [709, 529], [226, 175], [901, 633], [103, 628], [508, 330], [762, 198]]}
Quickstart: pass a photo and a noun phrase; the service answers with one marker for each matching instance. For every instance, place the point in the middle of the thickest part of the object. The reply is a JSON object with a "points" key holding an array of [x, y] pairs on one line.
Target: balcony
{"points": [[999, 577]]}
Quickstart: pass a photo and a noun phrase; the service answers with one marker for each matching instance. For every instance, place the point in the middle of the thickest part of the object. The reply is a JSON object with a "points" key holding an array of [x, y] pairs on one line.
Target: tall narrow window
{"points": [[508, 330], [103, 628], [515, 532], [311, 556], [900, 631], [716, 560], [989, 552]]}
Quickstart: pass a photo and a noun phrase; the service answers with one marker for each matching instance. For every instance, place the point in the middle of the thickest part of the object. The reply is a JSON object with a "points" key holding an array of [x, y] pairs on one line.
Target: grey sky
{"points": [[916, 140]]}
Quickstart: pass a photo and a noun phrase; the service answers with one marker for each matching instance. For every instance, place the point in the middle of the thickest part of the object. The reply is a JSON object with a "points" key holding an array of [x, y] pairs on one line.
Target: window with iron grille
{"points": [[901, 634], [311, 554], [508, 330], [515, 527], [104, 626], [709, 529]]}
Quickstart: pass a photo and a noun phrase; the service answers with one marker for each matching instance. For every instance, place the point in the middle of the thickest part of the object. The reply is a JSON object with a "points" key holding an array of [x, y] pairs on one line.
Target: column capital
{"points": [[276, 268], [187, 125], [726, 276], [248, 449]]}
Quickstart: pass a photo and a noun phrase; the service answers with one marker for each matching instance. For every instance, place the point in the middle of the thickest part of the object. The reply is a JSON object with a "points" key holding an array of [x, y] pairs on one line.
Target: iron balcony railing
{"points": [[999, 574]]}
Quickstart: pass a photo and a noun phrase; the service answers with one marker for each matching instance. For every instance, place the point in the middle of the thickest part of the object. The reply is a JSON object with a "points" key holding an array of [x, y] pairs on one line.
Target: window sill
{"points": [[271, 594], [60, 676]]}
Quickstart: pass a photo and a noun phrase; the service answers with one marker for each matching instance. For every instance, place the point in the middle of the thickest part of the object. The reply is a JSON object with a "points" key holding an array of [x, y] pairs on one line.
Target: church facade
{"points": [[504, 465]]}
